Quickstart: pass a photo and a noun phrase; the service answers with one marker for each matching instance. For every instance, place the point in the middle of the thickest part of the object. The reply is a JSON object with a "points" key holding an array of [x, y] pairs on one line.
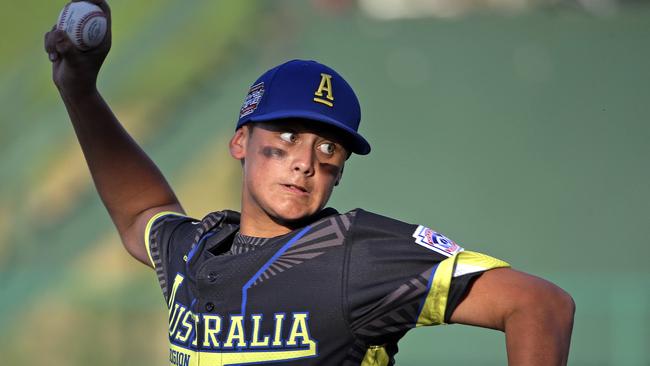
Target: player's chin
{"points": [[293, 216]]}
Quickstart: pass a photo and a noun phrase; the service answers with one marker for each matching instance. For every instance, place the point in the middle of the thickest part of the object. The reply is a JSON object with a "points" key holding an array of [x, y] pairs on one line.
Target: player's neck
{"points": [[253, 226], [255, 222]]}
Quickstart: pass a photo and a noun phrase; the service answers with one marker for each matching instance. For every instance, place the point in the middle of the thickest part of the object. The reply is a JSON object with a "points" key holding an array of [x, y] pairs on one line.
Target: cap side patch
{"points": [[252, 100], [435, 241]]}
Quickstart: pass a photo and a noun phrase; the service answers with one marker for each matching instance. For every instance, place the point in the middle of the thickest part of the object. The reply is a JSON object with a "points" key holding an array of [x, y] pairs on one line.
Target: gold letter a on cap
{"points": [[326, 86]]}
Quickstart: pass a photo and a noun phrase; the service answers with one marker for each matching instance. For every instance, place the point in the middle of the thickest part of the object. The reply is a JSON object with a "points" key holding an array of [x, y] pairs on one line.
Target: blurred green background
{"points": [[520, 129]]}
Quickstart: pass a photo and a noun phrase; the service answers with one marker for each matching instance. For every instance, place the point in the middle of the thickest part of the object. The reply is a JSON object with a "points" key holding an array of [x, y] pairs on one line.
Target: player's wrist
{"points": [[78, 94]]}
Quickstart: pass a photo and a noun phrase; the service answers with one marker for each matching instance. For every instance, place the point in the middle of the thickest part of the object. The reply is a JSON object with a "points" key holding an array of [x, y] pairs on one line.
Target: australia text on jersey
{"points": [[224, 340]]}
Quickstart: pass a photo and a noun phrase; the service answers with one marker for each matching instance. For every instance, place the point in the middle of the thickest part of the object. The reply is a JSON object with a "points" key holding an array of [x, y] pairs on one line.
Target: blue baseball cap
{"points": [[308, 90]]}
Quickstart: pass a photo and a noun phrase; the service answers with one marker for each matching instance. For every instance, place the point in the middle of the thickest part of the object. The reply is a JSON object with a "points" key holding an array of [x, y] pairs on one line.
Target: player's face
{"points": [[290, 169]]}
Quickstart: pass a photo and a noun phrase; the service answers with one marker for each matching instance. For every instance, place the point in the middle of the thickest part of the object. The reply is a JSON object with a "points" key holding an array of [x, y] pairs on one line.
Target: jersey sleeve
{"points": [[168, 237], [401, 276]]}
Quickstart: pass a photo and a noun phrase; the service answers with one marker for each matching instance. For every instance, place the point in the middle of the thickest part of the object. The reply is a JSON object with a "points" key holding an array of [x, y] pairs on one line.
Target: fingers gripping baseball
{"points": [[58, 45], [75, 64]]}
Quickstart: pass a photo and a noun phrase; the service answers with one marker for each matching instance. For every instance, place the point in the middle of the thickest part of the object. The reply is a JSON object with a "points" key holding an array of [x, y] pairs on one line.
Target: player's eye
{"points": [[289, 137], [327, 148]]}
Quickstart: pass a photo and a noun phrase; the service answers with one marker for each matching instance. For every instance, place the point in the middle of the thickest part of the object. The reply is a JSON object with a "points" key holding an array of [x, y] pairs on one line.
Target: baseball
{"points": [[85, 24]]}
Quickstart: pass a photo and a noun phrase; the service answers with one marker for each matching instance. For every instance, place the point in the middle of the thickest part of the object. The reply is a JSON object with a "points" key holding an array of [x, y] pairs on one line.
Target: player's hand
{"points": [[74, 71]]}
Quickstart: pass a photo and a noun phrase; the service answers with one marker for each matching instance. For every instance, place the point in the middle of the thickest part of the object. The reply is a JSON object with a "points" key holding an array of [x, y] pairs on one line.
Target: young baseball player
{"points": [[288, 280]]}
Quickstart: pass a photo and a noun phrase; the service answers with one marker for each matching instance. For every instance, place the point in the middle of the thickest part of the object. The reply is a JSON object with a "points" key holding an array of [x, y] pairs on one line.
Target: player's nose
{"points": [[304, 160]]}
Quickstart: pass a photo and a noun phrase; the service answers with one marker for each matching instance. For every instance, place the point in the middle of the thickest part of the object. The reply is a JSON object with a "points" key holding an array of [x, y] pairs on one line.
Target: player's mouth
{"points": [[296, 189]]}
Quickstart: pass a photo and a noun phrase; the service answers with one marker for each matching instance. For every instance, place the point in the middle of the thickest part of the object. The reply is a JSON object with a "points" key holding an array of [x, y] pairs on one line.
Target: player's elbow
{"points": [[560, 309], [547, 305]]}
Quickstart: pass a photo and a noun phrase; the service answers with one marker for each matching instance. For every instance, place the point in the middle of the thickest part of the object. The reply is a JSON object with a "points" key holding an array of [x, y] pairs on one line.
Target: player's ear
{"points": [[238, 143]]}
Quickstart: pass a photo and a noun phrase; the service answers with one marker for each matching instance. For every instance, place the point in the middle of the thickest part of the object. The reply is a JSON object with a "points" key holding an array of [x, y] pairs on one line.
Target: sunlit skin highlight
{"points": [[290, 168]]}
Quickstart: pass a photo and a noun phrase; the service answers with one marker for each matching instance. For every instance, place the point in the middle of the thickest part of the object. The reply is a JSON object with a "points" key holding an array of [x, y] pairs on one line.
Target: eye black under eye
{"points": [[272, 152]]}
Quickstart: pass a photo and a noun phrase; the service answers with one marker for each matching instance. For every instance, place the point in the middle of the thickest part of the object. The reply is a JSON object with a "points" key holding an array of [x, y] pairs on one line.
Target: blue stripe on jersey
{"points": [[194, 249], [267, 265]]}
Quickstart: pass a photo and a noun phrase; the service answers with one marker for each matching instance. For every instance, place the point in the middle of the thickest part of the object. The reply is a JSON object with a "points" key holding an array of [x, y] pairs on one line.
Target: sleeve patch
{"points": [[435, 241]]}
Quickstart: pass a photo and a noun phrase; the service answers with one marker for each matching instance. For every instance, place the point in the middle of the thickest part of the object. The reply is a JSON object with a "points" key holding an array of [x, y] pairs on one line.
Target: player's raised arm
{"points": [[536, 315], [129, 183]]}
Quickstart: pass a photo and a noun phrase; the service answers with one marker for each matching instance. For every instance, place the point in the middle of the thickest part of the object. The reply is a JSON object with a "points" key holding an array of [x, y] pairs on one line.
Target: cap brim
{"points": [[359, 145]]}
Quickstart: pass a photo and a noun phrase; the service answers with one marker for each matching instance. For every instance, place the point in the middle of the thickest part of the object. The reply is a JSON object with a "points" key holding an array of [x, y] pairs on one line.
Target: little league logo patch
{"points": [[435, 241], [252, 100]]}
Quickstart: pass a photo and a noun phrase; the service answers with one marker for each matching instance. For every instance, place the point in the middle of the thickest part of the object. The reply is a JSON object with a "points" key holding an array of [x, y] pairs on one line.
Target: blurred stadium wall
{"points": [[518, 128]]}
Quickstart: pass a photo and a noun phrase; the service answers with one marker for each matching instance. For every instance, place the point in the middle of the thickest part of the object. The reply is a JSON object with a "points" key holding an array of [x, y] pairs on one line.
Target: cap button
{"points": [[212, 276]]}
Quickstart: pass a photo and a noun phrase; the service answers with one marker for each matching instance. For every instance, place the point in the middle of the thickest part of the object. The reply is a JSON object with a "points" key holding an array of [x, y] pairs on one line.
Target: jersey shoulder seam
{"points": [[165, 255]]}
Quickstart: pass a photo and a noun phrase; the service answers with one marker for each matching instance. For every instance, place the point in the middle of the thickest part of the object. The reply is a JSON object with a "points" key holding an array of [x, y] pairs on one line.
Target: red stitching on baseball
{"points": [[80, 25], [64, 14]]}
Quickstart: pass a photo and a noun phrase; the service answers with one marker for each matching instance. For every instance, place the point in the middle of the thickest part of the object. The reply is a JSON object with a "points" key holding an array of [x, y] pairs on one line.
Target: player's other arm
{"points": [[536, 315], [128, 182]]}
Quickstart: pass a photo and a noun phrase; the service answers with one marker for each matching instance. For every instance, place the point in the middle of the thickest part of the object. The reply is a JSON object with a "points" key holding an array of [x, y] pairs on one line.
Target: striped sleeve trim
{"points": [[154, 250], [435, 304]]}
